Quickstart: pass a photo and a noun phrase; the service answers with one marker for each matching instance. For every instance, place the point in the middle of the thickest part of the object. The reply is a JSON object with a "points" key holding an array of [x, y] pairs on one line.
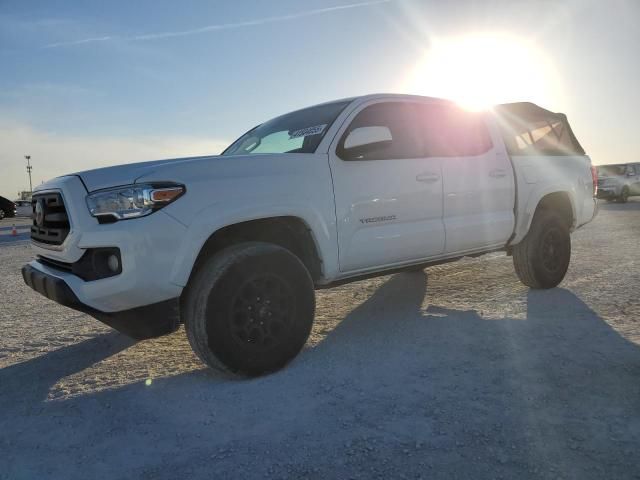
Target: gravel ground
{"points": [[458, 372]]}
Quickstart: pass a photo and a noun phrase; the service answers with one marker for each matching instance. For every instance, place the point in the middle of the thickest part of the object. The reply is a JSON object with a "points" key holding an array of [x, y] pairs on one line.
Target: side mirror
{"points": [[363, 140]]}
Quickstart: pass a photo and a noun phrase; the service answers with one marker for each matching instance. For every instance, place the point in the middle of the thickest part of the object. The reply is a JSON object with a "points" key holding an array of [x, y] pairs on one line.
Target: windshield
{"points": [[296, 132], [611, 170]]}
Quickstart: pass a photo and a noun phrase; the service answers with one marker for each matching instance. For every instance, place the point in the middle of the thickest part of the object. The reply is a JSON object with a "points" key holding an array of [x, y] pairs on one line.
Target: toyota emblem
{"points": [[39, 214]]}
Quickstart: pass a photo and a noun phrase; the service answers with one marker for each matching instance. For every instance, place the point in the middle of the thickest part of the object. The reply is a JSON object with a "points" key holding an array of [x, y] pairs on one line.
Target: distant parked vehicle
{"points": [[618, 182], [7, 208], [23, 208]]}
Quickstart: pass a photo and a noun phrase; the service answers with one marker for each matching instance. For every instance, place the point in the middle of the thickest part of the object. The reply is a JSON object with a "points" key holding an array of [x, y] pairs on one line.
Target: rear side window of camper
{"points": [[531, 130]]}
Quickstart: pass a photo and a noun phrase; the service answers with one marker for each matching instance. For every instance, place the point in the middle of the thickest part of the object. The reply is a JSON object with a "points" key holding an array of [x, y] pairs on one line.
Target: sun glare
{"points": [[478, 71]]}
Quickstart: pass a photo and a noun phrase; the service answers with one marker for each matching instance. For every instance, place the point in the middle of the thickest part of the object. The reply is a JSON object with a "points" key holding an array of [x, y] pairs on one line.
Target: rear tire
{"points": [[1, 214], [541, 260], [249, 308]]}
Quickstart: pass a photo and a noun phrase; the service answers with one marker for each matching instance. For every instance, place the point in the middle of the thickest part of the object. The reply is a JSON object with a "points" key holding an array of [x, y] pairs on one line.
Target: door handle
{"points": [[428, 177], [498, 173]]}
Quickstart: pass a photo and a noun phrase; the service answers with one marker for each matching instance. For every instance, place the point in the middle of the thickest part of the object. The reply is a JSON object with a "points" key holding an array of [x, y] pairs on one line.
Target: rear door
{"points": [[389, 199], [478, 182]]}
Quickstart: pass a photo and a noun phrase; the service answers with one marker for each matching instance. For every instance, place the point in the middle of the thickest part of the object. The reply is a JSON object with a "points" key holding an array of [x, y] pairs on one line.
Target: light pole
{"points": [[29, 167]]}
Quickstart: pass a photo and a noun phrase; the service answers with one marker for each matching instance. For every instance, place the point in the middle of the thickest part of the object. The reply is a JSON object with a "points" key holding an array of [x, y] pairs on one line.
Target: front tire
{"points": [[1, 214], [624, 195], [249, 308], [541, 260]]}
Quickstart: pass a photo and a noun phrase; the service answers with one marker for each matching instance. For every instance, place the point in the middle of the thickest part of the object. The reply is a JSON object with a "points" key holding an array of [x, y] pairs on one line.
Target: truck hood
{"points": [[127, 174], [185, 169]]}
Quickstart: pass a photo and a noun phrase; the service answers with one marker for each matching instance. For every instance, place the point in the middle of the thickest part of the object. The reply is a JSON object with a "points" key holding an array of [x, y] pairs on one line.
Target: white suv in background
{"points": [[23, 208], [618, 182]]}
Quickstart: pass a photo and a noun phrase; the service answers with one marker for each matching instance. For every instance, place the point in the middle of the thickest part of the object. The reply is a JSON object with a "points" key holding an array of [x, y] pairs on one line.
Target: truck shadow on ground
{"points": [[393, 389], [28, 383]]}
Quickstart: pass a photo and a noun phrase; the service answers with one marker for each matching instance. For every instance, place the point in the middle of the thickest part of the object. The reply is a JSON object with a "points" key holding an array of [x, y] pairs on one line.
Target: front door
{"points": [[388, 195]]}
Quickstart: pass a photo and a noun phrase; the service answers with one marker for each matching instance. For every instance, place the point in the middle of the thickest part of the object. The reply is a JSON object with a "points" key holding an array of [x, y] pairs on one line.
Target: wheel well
{"points": [[561, 203], [288, 232]]}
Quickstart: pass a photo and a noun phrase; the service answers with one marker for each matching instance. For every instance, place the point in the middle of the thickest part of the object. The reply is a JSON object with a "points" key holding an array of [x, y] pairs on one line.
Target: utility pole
{"points": [[29, 167]]}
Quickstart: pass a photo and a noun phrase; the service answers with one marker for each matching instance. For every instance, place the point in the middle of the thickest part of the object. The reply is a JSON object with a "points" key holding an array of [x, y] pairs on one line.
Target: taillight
{"points": [[594, 177]]}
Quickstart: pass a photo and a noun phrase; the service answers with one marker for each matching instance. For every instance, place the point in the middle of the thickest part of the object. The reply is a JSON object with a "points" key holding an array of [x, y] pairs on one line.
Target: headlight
{"points": [[132, 201]]}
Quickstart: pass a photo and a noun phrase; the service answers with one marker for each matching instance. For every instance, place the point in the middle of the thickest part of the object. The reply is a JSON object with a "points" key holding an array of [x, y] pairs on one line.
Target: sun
{"points": [[481, 70]]}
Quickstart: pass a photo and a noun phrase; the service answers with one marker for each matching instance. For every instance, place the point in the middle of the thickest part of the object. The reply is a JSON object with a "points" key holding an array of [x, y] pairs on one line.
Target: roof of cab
{"points": [[384, 96], [403, 96]]}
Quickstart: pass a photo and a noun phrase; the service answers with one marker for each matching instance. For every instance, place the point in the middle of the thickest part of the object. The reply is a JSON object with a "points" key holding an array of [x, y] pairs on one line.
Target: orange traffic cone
{"points": [[14, 232]]}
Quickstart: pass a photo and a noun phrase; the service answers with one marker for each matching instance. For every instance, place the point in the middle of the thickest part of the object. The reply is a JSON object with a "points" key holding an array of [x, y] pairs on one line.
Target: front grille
{"points": [[52, 226], [605, 183]]}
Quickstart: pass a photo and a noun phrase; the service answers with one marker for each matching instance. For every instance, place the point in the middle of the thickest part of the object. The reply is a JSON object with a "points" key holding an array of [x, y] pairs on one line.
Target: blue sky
{"points": [[86, 84]]}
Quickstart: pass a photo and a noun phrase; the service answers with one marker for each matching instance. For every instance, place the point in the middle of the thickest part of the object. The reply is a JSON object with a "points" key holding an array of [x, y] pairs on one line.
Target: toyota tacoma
{"points": [[234, 245]]}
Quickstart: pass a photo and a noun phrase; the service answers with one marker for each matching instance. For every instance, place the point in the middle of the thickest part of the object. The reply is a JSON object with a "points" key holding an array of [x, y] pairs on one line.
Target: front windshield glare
{"points": [[296, 132], [611, 170]]}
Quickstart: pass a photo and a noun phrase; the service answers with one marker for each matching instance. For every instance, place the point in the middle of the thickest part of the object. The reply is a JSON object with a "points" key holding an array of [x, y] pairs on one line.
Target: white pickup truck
{"points": [[234, 245]]}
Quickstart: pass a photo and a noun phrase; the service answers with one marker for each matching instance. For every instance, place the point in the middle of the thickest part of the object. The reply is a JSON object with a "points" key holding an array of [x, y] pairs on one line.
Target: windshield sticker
{"points": [[307, 132]]}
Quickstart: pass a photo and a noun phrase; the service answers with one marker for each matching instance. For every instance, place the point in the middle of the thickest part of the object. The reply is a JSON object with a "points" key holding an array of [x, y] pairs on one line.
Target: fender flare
{"points": [[523, 223], [199, 231]]}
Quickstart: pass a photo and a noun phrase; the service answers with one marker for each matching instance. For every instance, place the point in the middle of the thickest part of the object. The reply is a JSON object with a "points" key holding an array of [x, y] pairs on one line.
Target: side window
{"points": [[544, 136], [452, 132], [530, 130], [383, 131]]}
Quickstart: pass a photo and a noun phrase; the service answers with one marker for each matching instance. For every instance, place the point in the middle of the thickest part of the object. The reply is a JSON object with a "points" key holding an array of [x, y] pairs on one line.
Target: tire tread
{"points": [[209, 273], [523, 252]]}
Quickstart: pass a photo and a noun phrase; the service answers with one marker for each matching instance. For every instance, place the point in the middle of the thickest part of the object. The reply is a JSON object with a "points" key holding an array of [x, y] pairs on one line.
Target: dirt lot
{"points": [[461, 372]]}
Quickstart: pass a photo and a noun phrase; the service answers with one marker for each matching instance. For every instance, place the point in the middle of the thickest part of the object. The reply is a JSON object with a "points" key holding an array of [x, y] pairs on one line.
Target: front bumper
{"points": [[607, 193], [147, 247], [139, 323]]}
